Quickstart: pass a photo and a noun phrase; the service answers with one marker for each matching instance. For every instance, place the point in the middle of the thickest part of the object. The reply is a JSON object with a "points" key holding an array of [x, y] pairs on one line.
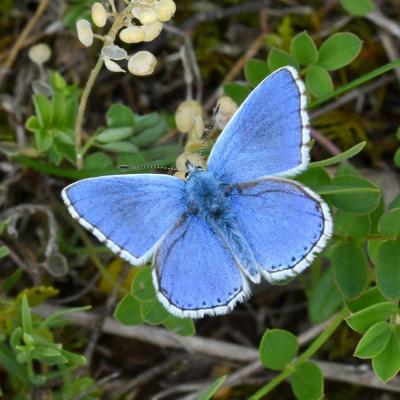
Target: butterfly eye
{"points": [[186, 175]]}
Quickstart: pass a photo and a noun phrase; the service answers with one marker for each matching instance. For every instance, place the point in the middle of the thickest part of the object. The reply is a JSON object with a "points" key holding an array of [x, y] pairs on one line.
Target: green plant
{"points": [[314, 64], [142, 306], [359, 8], [54, 121], [132, 138], [30, 354]]}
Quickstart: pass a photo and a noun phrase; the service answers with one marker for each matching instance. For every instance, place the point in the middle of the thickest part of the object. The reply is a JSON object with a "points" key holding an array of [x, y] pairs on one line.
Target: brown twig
{"points": [[384, 22], [251, 6], [159, 337]]}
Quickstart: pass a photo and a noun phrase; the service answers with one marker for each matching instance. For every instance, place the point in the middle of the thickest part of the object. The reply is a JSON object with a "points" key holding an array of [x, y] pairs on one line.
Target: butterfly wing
{"points": [[268, 135], [129, 213], [193, 272], [285, 224]]}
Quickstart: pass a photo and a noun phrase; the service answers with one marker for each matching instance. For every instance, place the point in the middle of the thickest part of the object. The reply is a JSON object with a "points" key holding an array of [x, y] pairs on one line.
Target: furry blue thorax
{"points": [[207, 196], [210, 199]]}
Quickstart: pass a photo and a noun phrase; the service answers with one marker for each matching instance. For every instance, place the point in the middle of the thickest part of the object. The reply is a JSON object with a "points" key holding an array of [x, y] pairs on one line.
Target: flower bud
{"points": [[186, 113], [99, 14], [151, 31], [193, 146], [180, 174], [40, 53], [147, 17], [142, 63], [112, 65], [85, 33], [226, 108], [114, 52], [197, 130], [132, 34], [165, 10]]}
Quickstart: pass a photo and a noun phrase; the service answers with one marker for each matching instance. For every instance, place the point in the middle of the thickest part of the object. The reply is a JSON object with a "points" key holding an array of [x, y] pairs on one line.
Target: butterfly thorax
{"points": [[207, 196], [209, 199]]}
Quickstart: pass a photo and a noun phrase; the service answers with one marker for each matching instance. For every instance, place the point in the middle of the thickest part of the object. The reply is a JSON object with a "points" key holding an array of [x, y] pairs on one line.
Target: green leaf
{"points": [[120, 116], [154, 312], [339, 50], [114, 134], [180, 326], [146, 121], [151, 135], [388, 269], [370, 297], [314, 177], [97, 160], [11, 281], [376, 215], [362, 320], [32, 123], [307, 381], [120, 147], [43, 110], [373, 249], [340, 157], [142, 285], [278, 58], [397, 158], [64, 137], [358, 8], [318, 81], [395, 203], [209, 392], [351, 225], [128, 311], [278, 348], [255, 71], [374, 340], [386, 364], [43, 139], [352, 201], [59, 107], [304, 49], [350, 268], [26, 316], [355, 83], [161, 152], [236, 92], [4, 251], [325, 298], [389, 223]]}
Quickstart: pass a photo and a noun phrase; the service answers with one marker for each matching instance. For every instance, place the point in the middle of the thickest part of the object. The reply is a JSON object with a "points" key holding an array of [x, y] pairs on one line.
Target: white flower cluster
{"points": [[143, 24]]}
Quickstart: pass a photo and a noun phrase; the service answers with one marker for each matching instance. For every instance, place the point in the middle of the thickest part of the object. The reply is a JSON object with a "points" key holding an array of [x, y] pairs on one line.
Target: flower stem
{"points": [[308, 353], [109, 40]]}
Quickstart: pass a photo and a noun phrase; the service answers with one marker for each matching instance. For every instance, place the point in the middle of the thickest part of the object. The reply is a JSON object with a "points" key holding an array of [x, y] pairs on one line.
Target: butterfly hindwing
{"points": [[285, 224], [268, 135], [129, 213], [194, 273]]}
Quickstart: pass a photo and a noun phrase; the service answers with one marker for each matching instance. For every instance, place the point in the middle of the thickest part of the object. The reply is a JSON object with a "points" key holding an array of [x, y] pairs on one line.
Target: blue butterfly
{"points": [[219, 229]]}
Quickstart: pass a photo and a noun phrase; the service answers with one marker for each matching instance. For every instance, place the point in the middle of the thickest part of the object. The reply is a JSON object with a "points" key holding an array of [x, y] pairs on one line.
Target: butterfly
{"points": [[223, 227]]}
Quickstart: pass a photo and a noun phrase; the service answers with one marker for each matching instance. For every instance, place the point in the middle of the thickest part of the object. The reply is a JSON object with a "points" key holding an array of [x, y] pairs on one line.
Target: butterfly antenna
{"points": [[209, 130], [141, 167]]}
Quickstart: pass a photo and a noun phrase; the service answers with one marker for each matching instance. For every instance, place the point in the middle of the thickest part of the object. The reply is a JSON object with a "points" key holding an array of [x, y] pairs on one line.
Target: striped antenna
{"points": [[208, 131], [138, 167]]}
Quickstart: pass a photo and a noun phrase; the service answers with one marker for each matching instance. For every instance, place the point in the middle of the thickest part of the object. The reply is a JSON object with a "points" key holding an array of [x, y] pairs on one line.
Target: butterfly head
{"points": [[191, 169]]}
